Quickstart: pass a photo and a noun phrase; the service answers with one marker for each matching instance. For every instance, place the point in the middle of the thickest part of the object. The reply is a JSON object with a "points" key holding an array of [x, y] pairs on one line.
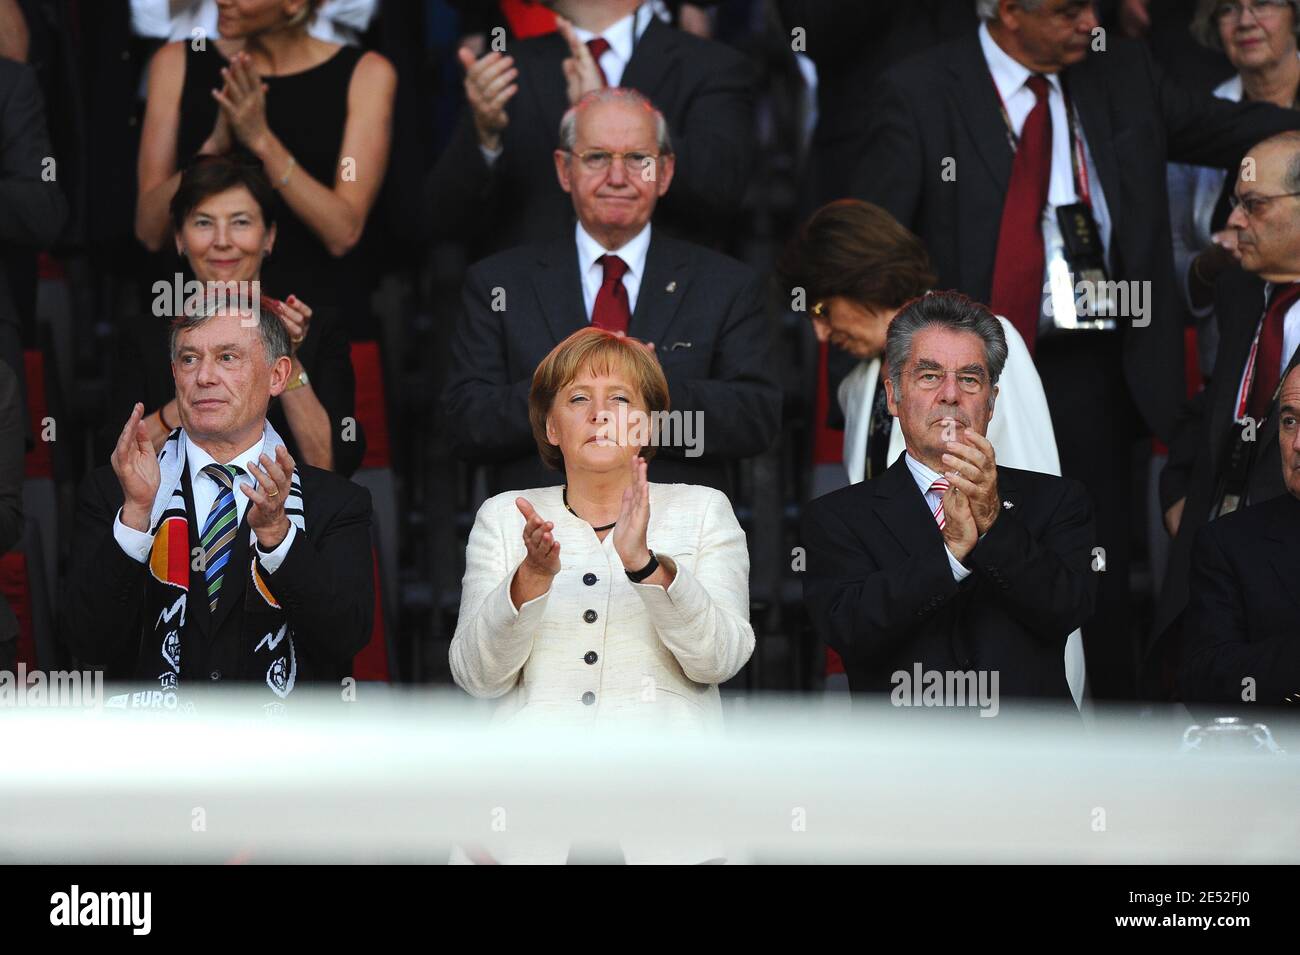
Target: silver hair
{"points": [[950, 310], [275, 340], [613, 94], [988, 9]]}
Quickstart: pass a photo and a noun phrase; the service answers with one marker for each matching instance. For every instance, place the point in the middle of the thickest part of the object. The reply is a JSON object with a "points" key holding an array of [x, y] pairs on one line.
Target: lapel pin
{"points": [[1007, 505], [672, 286]]}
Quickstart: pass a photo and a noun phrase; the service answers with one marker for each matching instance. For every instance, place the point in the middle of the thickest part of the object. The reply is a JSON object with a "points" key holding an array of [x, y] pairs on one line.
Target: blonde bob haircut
{"points": [[599, 352]]}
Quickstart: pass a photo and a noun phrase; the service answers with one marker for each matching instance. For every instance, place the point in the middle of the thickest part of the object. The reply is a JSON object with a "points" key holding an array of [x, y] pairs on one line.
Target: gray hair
{"points": [[275, 340], [613, 94], [988, 9], [950, 310]]}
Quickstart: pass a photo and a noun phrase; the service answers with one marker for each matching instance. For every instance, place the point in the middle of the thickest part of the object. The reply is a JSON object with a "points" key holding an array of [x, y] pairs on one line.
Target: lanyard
{"points": [[1078, 162]]}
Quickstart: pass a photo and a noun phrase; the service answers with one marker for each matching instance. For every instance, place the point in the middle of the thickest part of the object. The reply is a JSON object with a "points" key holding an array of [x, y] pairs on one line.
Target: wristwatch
{"points": [[636, 576], [297, 381]]}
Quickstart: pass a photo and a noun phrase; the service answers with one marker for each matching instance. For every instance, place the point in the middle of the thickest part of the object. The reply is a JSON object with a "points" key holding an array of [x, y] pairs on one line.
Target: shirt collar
{"points": [[196, 459], [1009, 74], [922, 474], [619, 34], [633, 252]]}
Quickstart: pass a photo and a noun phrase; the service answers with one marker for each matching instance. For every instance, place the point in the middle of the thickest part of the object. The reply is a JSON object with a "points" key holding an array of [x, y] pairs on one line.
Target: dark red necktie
{"points": [[598, 45], [612, 311], [1268, 356], [1018, 269]]}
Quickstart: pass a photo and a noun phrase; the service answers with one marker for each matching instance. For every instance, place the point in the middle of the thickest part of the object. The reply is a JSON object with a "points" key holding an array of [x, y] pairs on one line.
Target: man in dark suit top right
{"points": [[995, 148], [1243, 620], [1223, 454], [948, 562]]}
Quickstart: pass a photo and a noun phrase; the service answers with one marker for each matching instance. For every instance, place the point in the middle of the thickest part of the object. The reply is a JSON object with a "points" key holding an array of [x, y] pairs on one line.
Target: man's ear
{"points": [[562, 170], [890, 400], [280, 369]]}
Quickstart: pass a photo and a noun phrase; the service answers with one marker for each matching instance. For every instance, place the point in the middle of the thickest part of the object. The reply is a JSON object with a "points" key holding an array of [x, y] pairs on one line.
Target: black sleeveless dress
{"points": [[307, 111]]}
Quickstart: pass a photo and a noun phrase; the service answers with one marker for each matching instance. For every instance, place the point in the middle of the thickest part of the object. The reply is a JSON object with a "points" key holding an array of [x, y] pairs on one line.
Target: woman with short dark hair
{"points": [[224, 226]]}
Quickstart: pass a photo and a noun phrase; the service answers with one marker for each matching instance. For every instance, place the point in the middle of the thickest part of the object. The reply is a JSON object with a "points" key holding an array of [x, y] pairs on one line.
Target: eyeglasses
{"points": [[599, 160], [1231, 11], [1253, 204]]}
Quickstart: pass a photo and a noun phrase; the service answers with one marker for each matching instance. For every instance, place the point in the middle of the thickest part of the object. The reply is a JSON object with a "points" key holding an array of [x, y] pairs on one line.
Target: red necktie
{"points": [[939, 486], [598, 45], [1018, 270], [612, 311], [1268, 356]]}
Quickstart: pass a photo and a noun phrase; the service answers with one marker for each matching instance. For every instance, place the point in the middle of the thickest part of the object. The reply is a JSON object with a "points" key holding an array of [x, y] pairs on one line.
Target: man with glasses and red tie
{"points": [[949, 563], [1030, 158], [703, 313], [1224, 456]]}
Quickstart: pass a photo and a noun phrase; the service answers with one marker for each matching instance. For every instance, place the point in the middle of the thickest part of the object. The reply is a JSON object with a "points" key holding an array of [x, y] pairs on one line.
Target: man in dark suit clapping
{"points": [[492, 184], [948, 563], [219, 559], [1035, 149], [703, 312]]}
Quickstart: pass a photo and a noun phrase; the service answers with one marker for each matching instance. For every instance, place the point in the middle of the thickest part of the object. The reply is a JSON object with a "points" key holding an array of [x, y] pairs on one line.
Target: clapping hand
{"points": [[974, 471], [543, 559], [634, 519], [581, 72], [489, 86], [136, 465], [243, 100], [266, 515]]}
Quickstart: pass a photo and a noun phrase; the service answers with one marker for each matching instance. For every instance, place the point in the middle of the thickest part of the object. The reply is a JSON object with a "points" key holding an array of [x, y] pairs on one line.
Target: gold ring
{"points": [[274, 492]]}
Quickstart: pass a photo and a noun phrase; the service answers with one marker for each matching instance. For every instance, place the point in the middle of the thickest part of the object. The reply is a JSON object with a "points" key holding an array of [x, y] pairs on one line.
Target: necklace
{"points": [[564, 491]]}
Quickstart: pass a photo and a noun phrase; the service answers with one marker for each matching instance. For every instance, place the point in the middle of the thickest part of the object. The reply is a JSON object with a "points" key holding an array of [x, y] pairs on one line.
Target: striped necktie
{"points": [[938, 487], [218, 537]]}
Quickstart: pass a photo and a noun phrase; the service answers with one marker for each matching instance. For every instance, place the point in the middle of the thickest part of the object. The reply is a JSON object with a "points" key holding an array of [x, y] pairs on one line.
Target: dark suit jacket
{"points": [[1197, 456], [880, 590], [944, 104], [711, 334], [12, 429], [325, 584], [1244, 616], [703, 88], [32, 210]]}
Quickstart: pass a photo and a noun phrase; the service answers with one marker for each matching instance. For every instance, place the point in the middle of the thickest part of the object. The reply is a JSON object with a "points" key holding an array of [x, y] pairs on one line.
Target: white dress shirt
{"points": [[633, 252], [623, 37], [1011, 78], [136, 544], [924, 476], [1290, 341]]}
